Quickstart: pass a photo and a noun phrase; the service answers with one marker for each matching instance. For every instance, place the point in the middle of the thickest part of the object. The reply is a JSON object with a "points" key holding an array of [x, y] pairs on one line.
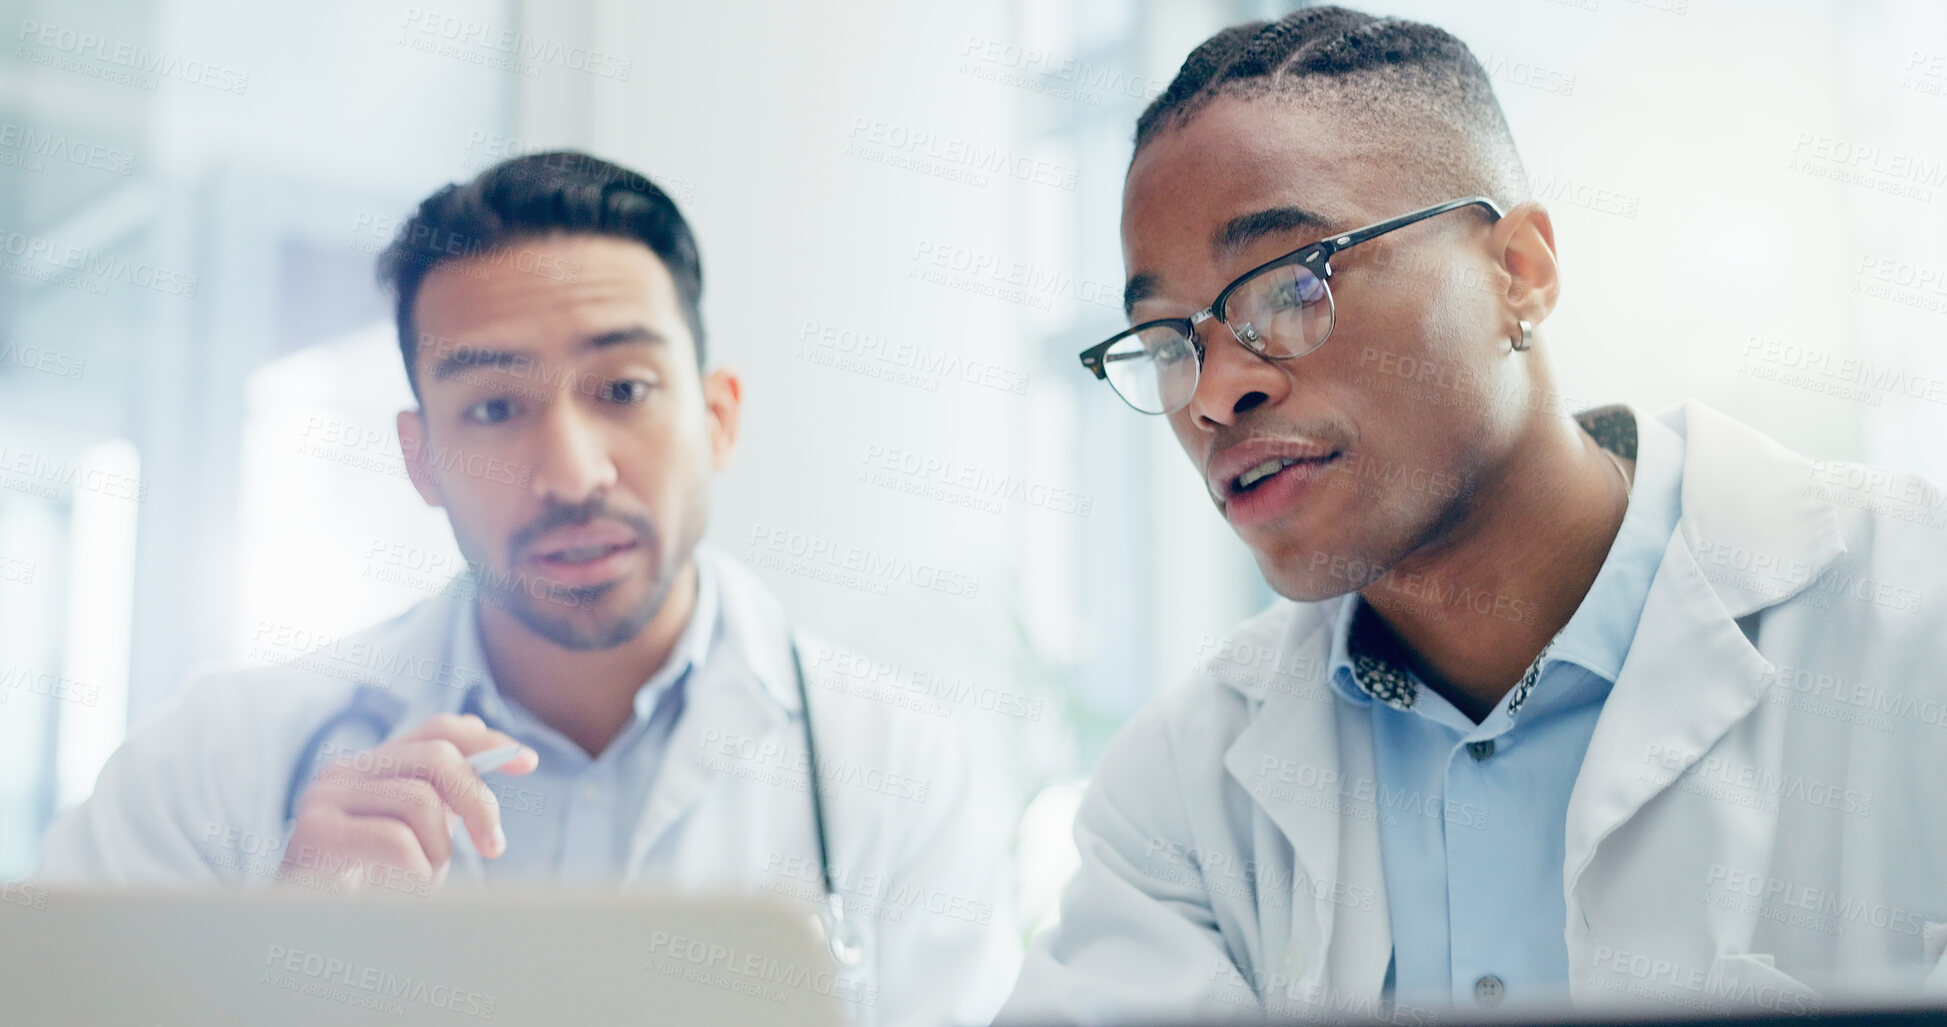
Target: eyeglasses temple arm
{"points": [[1097, 358], [1359, 235]]}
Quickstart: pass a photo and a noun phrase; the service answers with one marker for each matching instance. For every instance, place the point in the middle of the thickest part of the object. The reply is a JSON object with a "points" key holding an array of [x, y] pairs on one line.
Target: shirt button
{"points": [[1488, 990], [590, 791], [1480, 751]]}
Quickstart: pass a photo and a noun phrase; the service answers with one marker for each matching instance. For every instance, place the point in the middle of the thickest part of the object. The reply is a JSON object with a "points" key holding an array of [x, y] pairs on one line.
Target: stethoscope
{"points": [[842, 937], [376, 710]]}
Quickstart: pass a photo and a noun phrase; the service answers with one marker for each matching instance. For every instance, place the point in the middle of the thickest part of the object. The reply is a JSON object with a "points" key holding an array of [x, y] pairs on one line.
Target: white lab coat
{"points": [[1791, 654], [198, 795]]}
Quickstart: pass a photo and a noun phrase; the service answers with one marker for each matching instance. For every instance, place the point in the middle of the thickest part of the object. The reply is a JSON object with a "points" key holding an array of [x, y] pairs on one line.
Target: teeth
{"points": [[580, 554], [1263, 471]]}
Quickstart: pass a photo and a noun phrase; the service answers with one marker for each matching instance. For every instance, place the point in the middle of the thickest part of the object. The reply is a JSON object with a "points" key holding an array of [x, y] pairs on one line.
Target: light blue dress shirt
{"points": [[572, 820], [1473, 817]]}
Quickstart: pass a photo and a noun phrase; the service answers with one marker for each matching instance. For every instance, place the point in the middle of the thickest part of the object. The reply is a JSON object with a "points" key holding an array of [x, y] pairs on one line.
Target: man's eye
{"points": [[1285, 295], [633, 390], [490, 411]]}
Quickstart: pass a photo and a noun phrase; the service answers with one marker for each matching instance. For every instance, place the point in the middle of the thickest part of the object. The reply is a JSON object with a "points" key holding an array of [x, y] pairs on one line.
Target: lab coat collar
{"points": [[1748, 511], [756, 629]]}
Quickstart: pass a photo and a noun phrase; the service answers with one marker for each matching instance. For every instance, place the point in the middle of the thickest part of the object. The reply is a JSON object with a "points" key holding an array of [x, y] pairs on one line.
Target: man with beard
{"points": [[548, 314]]}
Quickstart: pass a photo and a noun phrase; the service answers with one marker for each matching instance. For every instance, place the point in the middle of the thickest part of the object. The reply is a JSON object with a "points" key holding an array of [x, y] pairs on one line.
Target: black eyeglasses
{"points": [[1277, 310]]}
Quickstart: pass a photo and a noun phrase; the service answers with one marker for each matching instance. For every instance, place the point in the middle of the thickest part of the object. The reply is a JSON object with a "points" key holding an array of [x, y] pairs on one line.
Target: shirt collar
{"points": [[692, 647], [1358, 674], [1598, 634]]}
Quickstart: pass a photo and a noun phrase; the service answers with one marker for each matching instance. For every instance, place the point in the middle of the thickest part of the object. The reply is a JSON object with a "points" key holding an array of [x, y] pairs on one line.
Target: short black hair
{"points": [[1399, 73], [526, 197]]}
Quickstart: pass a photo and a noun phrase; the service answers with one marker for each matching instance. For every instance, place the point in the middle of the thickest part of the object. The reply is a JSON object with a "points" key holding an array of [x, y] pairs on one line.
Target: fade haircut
{"points": [[532, 196], [1405, 79]]}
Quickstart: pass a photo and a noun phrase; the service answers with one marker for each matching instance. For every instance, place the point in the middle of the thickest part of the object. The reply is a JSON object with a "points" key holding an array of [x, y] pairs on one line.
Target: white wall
{"points": [[781, 128], [1708, 120]]}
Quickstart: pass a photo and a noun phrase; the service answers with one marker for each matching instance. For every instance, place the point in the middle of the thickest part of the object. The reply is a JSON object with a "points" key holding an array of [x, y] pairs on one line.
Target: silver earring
{"points": [[1527, 339]]}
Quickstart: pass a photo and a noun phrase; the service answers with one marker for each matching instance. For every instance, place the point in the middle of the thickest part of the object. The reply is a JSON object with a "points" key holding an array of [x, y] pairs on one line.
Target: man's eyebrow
{"points": [[466, 357], [1140, 288], [638, 334], [463, 358], [1237, 233], [1245, 229]]}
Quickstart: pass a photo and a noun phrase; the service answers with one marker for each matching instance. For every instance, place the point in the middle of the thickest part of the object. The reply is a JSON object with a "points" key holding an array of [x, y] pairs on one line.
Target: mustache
{"points": [[1335, 432], [559, 515]]}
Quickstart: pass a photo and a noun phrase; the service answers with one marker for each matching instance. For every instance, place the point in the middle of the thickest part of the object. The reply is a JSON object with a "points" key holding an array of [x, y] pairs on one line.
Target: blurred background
{"points": [[908, 216]]}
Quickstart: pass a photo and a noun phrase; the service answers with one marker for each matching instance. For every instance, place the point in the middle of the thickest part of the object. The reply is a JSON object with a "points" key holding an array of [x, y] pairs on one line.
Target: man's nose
{"points": [[1233, 380], [572, 462]]}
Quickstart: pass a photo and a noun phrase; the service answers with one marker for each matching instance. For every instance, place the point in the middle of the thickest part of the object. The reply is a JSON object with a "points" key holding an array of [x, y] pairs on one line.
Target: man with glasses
{"points": [[1596, 708]]}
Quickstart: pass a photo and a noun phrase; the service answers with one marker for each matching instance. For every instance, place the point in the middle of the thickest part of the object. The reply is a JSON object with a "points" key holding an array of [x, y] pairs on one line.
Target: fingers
{"points": [[397, 804], [339, 845], [440, 764], [411, 801]]}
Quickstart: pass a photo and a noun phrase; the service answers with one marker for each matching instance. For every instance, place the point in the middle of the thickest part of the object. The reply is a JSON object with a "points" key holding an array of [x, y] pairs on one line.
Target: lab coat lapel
{"points": [[745, 688], [1691, 674], [1326, 746], [721, 708]]}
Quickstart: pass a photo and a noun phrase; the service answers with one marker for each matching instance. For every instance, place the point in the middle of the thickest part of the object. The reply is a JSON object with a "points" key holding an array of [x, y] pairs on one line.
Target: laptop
{"points": [[164, 959]]}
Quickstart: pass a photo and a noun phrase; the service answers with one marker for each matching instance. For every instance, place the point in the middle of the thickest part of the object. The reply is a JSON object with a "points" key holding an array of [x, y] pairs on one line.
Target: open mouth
{"points": [[1257, 475], [577, 556]]}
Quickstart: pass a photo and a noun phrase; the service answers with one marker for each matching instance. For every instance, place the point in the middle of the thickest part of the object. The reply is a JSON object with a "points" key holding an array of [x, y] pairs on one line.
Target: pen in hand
{"points": [[489, 760]]}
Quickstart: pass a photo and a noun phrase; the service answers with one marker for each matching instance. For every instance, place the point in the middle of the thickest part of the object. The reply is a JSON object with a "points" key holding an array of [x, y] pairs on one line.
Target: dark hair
{"points": [[528, 197], [1381, 66]]}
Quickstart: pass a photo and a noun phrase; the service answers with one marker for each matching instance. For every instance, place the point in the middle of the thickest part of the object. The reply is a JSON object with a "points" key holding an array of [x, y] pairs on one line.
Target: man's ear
{"points": [[412, 442], [723, 394], [1524, 243]]}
